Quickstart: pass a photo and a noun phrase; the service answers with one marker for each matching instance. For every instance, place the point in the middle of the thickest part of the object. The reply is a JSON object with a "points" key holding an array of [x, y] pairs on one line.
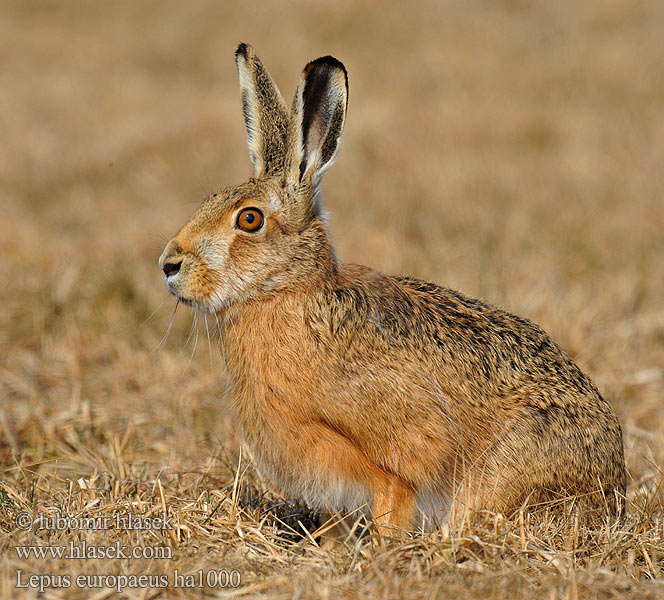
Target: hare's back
{"points": [[495, 345], [468, 344]]}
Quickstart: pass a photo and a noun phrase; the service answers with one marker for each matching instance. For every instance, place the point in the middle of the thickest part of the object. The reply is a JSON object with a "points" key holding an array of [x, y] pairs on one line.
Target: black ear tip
{"points": [[327, 62], [242, 50]]}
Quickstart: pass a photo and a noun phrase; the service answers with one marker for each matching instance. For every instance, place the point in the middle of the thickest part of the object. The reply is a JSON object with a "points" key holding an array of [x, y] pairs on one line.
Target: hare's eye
{"points": [[250, 219]]}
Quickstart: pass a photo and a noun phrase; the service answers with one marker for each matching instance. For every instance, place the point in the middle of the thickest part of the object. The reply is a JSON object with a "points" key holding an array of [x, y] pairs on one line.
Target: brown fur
{"points": [[355, 387]]}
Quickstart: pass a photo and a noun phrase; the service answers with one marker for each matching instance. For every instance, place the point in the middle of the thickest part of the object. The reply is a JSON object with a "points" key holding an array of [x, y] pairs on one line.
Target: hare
{"points": [[354, 388]]}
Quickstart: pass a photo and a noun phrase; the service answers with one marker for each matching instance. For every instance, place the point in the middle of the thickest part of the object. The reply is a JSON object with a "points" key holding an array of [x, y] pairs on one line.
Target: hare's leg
{"points": [[335, 457], [394, 504]]}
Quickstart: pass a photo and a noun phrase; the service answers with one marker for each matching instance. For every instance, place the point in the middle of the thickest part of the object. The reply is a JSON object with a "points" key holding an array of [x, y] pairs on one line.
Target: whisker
{"points": [[216, 318], [154, 312], [168, 331], [207, 329], [195, 344], [191, 329], [221, 345]]}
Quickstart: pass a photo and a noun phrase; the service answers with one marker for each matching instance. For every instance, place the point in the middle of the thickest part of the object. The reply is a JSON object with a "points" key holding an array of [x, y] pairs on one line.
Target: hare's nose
{"points": [[171, 268]]}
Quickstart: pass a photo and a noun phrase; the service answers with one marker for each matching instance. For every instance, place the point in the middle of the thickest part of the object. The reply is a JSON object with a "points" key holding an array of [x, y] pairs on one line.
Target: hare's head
{"points": [[267, 234]]}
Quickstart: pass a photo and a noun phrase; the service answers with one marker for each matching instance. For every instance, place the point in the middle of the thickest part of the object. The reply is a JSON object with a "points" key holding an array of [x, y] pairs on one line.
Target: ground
{"points": [[512, 150]]}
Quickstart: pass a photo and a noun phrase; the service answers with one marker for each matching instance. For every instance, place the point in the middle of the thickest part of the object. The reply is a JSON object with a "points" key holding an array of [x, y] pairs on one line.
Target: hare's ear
{"points": [[318, 117], [265, 114]]}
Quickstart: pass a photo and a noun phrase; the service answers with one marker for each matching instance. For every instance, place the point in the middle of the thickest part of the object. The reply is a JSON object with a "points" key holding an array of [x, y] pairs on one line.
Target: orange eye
{"points": [[250, 219]]}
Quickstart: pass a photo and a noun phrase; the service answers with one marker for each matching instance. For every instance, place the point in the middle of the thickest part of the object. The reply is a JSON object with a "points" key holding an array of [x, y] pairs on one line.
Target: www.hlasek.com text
{"points": [[82, 550]]}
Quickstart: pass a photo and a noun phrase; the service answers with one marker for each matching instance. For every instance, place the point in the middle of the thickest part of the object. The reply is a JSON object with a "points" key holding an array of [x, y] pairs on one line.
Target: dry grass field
{"points": [[513, 150]]}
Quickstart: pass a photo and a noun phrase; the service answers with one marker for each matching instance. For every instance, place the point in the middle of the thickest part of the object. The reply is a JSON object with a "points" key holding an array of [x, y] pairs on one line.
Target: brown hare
{"points": [[355, 388]]}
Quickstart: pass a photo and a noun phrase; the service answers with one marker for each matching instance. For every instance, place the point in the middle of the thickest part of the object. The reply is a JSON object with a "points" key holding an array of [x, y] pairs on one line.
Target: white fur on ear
{"points": [[248, 100], [319, 115], [265, 114]]}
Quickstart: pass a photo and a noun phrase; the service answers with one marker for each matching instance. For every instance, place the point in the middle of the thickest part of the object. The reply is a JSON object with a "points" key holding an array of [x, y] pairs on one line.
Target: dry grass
{"points": [[512, 150]]}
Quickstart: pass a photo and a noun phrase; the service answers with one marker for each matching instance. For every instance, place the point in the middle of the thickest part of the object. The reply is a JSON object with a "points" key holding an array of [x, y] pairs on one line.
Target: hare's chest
{"points": [[274, 368]]}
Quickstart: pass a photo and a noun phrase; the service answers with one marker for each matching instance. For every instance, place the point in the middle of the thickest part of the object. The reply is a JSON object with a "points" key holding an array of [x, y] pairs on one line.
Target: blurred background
{"points": [[510, 149]]}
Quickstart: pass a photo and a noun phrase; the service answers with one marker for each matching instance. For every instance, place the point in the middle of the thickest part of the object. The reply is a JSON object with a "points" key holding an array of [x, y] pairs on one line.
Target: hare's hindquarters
{"points": [[483, 411], [550, 460]]}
